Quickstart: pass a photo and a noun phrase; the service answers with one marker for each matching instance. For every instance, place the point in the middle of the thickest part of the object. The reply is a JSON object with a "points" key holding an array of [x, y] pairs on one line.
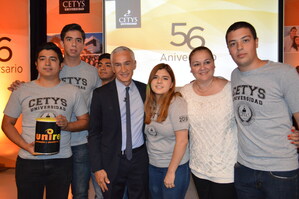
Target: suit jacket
{"points": [[105, 133]]}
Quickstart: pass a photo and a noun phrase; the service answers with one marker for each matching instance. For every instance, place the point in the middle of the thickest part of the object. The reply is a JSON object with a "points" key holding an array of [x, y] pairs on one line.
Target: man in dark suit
{"points": [[116, 168]]}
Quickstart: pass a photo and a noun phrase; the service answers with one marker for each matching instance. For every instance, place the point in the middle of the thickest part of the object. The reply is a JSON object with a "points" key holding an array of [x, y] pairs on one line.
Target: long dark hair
{"points": [[294, 45]]}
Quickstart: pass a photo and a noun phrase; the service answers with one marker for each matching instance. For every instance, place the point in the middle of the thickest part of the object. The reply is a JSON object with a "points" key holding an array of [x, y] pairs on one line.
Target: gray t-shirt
{"points": [[85, 77], [264, 100], [34, 101], [160, 137]]}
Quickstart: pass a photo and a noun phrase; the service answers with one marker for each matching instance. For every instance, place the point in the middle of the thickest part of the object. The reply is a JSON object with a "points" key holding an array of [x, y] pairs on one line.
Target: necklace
{"points": [[199, 89]]}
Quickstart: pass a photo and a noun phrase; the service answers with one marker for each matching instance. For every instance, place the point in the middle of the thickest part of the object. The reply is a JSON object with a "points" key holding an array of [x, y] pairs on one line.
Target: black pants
{"points": [[32, 176], [210, 190], [132, 174]]}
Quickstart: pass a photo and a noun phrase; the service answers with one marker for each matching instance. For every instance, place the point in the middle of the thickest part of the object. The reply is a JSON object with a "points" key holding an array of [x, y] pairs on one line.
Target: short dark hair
{"points": [[200, 48], [104, 56], [293, 28], [241, 24], [50, 46], [70, 27]]}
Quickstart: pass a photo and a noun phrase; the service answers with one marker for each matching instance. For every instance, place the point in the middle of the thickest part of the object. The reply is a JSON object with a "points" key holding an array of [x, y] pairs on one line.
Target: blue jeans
{"points": [[97, 188], [81, 172], [257, 184], [157, 187], [32, 176]]}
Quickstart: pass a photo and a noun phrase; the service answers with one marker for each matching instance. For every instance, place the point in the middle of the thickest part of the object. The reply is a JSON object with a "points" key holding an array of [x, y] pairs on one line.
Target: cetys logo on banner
{"points": [[128, 13], [73, 6]]}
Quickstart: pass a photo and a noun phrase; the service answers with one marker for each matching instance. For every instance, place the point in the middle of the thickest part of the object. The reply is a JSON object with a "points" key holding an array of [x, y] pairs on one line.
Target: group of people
{"points": [[143, 141], [291, 41], [83, 77]]}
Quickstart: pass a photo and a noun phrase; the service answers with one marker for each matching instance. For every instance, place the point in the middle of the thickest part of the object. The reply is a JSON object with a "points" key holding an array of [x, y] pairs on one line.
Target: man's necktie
{"points": [[128, 150]]}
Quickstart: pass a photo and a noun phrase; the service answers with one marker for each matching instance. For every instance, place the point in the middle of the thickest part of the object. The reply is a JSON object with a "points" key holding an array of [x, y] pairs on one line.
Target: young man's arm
{"points": [[8, 127], [79, 125]]}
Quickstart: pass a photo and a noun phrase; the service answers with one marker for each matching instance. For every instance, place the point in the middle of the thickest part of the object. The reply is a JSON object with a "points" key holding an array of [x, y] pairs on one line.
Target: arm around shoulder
{"points": [[15, 85]]}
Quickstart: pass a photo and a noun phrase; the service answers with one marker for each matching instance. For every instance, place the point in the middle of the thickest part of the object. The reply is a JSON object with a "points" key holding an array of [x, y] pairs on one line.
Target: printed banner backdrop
{"points": [[88, 14], [291, 21], [14, 63], [167, 30]]}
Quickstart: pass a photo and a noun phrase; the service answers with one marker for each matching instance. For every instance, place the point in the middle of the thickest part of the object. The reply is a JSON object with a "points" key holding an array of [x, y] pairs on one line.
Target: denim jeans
{"points": [[97, 188], [81, 172], [32, 176], [257, 184], [157, 187]]}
